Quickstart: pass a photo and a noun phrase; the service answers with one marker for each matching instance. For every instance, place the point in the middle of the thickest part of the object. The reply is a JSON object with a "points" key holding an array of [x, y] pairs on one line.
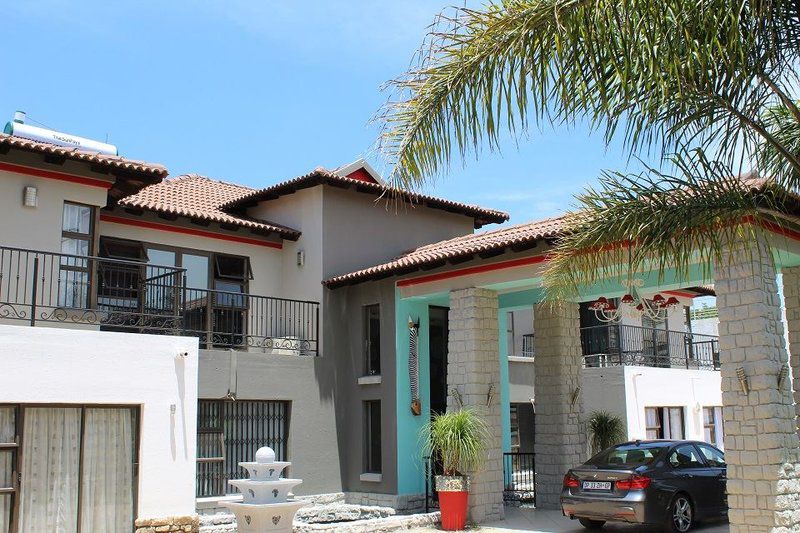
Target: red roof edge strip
{"points": [[478, 269], [188, 231], [54, 175], [775, 228]]}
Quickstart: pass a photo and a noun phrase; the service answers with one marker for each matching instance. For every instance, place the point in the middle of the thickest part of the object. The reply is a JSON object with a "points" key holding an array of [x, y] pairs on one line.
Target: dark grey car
{"points": [[673, 484]]}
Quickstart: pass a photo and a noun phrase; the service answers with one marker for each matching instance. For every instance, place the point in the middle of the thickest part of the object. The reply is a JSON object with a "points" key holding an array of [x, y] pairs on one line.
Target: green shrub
{"points": [[458, 439], [605, 430]]}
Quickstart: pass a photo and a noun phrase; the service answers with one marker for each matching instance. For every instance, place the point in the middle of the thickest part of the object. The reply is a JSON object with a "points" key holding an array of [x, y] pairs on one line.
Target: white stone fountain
{"points": [[265, 506]]}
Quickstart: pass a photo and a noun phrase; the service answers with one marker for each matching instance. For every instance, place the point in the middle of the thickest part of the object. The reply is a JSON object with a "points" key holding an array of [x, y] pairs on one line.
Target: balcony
{"points": [[622, 345], [114, 295]]}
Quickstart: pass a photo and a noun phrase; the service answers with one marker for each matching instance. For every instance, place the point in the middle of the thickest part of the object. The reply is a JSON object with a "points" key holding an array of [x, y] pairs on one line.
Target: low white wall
{"points": [[626, 391], [670, 387], [49, 365]]}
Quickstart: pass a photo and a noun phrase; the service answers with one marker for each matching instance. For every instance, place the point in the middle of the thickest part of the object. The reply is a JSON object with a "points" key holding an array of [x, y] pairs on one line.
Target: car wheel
{"points": [[680, 515], [591, 524]]}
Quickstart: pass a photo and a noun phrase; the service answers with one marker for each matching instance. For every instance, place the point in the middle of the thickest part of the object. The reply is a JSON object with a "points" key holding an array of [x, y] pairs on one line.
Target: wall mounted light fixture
{"points": [[575, 395], [782, 375], [743, 382], [30, 196]]}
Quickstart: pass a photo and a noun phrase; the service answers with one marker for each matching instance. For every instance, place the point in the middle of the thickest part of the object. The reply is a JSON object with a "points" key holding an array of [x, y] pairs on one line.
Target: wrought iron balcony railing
{"points": [[117, 295], [618, 344]]}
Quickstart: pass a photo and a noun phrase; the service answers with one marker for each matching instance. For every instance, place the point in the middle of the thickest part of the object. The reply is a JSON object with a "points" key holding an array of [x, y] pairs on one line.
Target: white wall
{"points": [[627, 390], [49, 365], [670, 387], [42, 224]]}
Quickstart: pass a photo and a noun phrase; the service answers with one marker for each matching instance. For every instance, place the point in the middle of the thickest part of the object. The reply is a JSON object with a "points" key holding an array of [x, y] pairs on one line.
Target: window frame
{"points": [[371, 354], [276, 420], [69, 263], [716, 426], [701, 463], [371, 444], [702, 445], [516, 441], [17, 461], [665, 423]]}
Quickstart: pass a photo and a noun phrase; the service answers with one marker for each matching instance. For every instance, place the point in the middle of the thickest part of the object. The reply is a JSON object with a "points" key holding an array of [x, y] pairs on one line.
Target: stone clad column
{"points": [[760, 438], [560, 437], [791, 299], [473, 375]]}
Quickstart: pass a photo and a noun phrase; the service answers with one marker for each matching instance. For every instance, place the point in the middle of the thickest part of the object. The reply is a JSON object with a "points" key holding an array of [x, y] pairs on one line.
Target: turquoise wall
{"points": [[505, 404], [410, 466]]}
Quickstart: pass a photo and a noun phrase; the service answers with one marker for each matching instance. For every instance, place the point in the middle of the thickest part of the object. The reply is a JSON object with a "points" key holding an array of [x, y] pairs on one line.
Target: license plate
{"points": [[596, 485]]}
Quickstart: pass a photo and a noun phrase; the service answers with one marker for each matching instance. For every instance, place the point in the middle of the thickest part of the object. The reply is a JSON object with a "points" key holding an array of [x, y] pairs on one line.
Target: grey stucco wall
{"points": [[309, 384], [520, 381], [361, 230], [343, 334]]}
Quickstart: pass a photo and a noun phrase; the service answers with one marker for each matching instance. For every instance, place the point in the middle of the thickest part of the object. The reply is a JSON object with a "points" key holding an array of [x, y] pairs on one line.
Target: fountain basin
{"points": [[265, 491], [265, 471], [257, 518]]}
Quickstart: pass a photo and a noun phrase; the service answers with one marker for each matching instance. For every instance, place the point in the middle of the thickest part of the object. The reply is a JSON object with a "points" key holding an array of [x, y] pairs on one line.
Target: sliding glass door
{"points": [[76, 469]]}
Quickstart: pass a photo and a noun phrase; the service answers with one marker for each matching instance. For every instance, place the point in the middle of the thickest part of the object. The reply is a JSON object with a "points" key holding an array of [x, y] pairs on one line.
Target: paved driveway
{"points": [[541, 521]]}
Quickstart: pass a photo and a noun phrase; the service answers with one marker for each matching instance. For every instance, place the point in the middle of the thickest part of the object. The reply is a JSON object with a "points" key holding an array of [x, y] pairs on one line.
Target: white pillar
{"points": [[760, 439], [560, 436], [473, 376]]}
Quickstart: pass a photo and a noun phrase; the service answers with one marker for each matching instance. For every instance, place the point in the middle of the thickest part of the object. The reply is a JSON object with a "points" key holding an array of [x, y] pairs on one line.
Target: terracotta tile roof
{"points": [[517, 238], [199, 197], [321, 176], [114, 161]]}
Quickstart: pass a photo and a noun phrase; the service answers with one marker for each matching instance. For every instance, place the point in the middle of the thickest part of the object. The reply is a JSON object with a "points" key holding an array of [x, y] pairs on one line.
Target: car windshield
{"points": [[628, 455]]}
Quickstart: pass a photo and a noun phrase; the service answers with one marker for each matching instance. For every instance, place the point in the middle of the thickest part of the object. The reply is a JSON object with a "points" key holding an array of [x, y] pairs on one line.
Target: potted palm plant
{"points": [[458, 441]]}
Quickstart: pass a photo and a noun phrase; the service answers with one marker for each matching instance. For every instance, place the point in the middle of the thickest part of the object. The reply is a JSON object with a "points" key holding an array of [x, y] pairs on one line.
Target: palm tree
{"points": [[605, 430], [703, 86]]}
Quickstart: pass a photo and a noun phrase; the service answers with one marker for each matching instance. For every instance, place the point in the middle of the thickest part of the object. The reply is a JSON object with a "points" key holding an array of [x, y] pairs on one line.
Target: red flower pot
{"points": [[453, 497]]}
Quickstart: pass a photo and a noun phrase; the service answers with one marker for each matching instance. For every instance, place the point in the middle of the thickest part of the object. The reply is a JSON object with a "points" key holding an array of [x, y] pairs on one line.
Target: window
{"points": [[372, 340], [230, 432], [77, 465], [712, 425], [77, 236], [628, 455], [714, 457], [119, 283], [664, 422], [685, 456], [515, 442], [372, 437]]}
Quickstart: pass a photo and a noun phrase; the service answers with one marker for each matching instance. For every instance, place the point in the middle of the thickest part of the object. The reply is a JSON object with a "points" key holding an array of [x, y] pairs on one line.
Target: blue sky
{"points": [[258, 91]]}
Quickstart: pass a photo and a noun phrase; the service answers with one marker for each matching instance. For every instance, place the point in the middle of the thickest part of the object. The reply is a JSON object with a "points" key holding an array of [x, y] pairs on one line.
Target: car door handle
{"points": [[685, 476]]}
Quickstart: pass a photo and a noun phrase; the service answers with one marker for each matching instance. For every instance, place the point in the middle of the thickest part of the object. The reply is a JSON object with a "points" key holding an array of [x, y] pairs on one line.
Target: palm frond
{"points": [[661, 74], [656, 221], [458, 439], [605, 430]]}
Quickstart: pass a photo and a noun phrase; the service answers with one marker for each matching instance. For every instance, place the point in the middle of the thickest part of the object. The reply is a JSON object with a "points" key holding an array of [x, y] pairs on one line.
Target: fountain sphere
{"points": [[265, 454]]}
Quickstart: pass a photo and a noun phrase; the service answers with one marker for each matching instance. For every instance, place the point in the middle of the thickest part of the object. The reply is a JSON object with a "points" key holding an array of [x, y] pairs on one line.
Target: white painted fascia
{"points": [[349, 168], [369, 380]]}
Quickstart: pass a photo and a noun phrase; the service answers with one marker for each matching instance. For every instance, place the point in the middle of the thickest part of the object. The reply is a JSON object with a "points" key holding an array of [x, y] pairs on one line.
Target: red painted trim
{"points": [[781, 230], [187, 231], [682, 294], [479, 269], [54, 175], [775, 228]]}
